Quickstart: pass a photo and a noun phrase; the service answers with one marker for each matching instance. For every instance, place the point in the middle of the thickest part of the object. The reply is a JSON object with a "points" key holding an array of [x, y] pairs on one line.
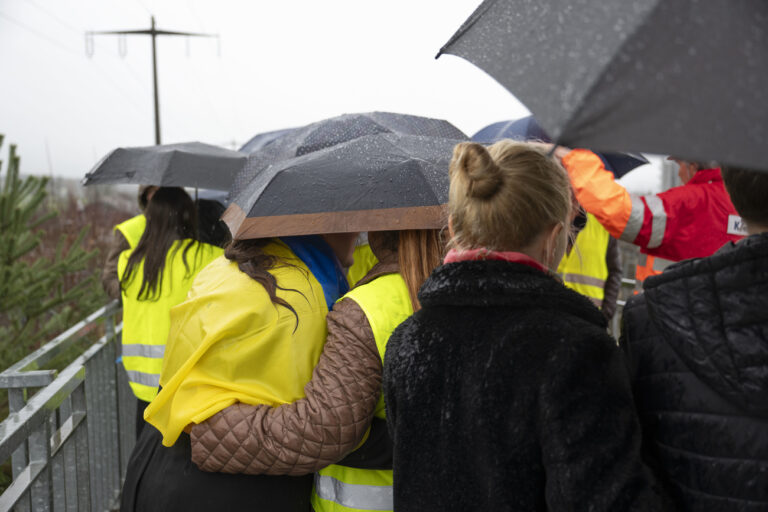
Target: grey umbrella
{"points": [[371, 183], [686, 78], [188, 164], [336, 130]]}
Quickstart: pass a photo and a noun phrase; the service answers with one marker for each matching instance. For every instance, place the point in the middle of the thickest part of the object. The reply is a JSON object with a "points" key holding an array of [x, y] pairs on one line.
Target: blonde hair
{"points": [[419, 252], [505, 196]]}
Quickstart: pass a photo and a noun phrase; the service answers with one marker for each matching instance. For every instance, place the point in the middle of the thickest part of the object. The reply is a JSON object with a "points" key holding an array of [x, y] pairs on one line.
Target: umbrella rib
{"points": [[467, 25], [590, 90]]}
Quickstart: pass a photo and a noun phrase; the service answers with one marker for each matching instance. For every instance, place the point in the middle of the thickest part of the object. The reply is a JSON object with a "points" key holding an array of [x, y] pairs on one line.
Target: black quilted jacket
{"points": [[505, 393], [697, 340]]}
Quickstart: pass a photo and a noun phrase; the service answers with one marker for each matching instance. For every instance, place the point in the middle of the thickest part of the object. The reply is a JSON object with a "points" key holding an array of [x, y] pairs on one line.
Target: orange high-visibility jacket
{"points": [[690, 221]]}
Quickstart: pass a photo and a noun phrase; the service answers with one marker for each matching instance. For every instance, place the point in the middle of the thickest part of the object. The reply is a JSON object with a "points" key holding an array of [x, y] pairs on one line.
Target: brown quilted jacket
{"points": [[318, 430]]}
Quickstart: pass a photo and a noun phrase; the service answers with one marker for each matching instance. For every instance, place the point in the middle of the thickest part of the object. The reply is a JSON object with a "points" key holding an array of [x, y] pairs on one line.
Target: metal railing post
{"points": [[81, 467], [19, 459], [65, 441], [39, 455]]}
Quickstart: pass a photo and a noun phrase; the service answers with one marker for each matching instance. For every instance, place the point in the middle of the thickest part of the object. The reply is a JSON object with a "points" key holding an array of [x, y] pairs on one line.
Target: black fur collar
{"points": [[501, 283]]}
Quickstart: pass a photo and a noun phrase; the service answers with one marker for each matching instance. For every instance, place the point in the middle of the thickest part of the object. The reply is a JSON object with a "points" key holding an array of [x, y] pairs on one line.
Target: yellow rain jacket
{"points": [[229, 343]]}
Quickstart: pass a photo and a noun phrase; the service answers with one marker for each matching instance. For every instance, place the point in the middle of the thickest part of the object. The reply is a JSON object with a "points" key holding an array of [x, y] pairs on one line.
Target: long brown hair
{"points": [[419, 252], [170, 217]]}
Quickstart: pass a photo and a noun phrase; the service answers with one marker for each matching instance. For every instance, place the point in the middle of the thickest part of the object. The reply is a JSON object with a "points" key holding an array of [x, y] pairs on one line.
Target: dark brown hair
{"points": [[749, 193], [170, 217], [255, 263]]}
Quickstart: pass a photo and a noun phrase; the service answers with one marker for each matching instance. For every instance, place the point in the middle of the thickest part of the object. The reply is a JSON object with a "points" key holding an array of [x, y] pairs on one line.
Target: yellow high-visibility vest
{"points": [[584, 269], [146, 322], [364, 261], [132, 229], [386, 304]]}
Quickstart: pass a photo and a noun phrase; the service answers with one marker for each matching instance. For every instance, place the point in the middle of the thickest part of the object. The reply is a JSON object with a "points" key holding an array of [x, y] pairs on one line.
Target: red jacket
{"points": [[690, 221]]}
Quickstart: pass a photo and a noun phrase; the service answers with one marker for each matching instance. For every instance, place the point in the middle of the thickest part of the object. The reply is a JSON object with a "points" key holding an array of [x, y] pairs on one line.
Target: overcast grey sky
{"points": [[279, 64]]}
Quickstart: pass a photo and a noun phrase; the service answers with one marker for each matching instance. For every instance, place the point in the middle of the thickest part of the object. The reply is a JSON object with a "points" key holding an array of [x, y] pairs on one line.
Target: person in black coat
{"points": [[504, 391], [697, 341]]}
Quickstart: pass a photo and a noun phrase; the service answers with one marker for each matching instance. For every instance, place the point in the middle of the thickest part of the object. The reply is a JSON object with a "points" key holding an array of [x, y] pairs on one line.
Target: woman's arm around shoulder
{"points": [[311, 433]]}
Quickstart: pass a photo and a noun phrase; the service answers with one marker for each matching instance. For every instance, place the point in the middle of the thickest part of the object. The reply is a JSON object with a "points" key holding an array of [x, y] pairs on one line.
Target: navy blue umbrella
{"points": [[527, 128], [261, 140]]}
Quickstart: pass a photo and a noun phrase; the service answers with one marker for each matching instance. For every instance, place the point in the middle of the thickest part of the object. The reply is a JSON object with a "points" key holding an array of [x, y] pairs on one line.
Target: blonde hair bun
{"points": [[483, 176], [502, 197]]}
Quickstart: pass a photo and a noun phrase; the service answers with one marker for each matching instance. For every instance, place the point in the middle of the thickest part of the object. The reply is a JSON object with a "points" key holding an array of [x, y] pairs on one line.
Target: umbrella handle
{"points": [[552, 151]]}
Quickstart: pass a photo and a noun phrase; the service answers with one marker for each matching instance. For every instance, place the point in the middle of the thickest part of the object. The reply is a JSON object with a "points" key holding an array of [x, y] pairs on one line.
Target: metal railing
{"points": [[628, 287], [69, 441]]}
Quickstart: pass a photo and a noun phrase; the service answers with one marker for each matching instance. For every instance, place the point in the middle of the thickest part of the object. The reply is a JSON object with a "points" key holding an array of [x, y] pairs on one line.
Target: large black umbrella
{"points": [[337, 130], [188, 164], [371, 183], [685, 78], [526, 128]]}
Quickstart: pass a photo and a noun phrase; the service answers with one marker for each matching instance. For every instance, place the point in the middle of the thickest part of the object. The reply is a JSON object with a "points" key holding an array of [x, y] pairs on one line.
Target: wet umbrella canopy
{"points": [[376, 182], [686, 78], [337, 130], [526, 128], [189, 164]]}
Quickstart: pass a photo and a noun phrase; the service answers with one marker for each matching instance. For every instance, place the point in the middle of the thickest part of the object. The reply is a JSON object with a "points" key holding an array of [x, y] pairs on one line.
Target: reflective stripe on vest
{"points": [[132, 229], [139, 350], [146, 323], [658, 221], [585, 270], [353, 496], [145, 379], [386, 304], [635, 221]]}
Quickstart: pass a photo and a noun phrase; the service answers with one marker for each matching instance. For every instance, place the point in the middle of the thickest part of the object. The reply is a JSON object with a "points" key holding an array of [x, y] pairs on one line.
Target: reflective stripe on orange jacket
{"points": [[689, 221]]}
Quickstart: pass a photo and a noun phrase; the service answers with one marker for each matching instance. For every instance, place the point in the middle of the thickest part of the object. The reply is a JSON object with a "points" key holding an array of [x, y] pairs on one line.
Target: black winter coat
{"points": [[504, 393], [697, 341]]}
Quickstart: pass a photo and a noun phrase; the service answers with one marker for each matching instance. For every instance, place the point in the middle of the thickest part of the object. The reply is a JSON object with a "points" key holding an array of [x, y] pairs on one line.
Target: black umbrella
{"points": [[526, 128], [372, 183], [661, 76], [189, 164], [337, 130]]}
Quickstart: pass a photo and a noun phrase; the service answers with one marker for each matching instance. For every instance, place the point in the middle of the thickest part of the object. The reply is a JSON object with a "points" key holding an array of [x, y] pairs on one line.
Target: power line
{"points": [[66, 24], [153, 33], [39, 34], [65, 48], [143, 5]]}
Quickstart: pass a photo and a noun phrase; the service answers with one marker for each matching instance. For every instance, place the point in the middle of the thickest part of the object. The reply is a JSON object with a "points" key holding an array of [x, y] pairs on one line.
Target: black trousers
{"points": [[165, 479], [140, 406]]}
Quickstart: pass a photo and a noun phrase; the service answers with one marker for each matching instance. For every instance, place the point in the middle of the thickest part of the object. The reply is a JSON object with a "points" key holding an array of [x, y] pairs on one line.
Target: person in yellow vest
{"points": [[250, 331], [155, 276], [343, 397], [125, 236], [364, 260], [592, 264]]}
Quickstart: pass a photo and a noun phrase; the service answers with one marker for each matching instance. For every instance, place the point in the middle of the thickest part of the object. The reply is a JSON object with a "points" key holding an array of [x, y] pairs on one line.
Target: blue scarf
{"points": [[322, 262]]}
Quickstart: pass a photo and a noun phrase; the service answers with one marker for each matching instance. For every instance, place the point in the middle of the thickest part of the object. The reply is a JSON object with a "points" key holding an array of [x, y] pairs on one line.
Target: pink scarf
{"points": [[454, 256]]}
